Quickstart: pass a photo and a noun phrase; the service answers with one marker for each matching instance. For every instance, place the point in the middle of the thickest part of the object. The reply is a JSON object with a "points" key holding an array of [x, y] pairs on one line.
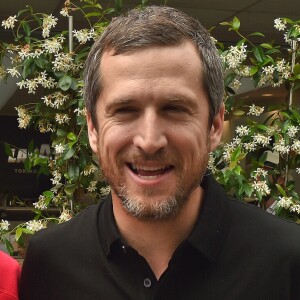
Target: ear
{"points": [[92, 133], [216, 130]]}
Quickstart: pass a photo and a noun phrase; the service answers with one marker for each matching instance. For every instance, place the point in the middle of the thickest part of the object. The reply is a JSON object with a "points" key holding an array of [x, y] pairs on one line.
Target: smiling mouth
{"points": [[148, 171]]}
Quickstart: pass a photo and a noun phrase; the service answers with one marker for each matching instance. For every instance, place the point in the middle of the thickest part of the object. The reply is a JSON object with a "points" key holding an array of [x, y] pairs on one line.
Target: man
{"points": [[153, 90], [9, 277]]}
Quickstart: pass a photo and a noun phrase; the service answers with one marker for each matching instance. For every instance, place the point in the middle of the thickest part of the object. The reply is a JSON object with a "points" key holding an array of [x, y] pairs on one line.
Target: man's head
{"points": [[154, 92], [154, 26]]}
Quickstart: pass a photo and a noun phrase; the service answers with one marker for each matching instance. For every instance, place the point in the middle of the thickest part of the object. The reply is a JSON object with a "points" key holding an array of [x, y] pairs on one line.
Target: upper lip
{"points": [[147, 167]]}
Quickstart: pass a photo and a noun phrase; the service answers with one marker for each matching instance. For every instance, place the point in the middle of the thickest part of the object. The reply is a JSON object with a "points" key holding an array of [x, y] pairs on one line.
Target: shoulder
{"points": [[82, 226], [264, 229], [9, 282]]}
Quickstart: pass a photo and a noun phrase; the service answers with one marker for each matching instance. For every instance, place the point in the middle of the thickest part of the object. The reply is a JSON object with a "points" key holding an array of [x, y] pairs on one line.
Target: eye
{"points": [[176, 109], [126, 110]]}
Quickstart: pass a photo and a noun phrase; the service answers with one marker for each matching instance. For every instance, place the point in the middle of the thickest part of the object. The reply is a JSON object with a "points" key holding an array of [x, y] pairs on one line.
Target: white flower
{"points": [[292, 131], [90, 169], [64, 12], [296, 146], [80, 112], [9, 22], [280, 147], [295, 208], [269, 70], [59, 149], [93, 186], [280, 24], [250, 147], [261, 187], [41, 204], [56, 177], [62, 118], [4, 225], [49, 21], [65, 216], [84, 35], [242, 130], [45, 126], [261, 139], [259, 172], [35, 225], [285, 202], [298, 170], [235, 84], [23, 117], [52, 45], [104, 191], [255, 110], [235, 56], [13, 72]]}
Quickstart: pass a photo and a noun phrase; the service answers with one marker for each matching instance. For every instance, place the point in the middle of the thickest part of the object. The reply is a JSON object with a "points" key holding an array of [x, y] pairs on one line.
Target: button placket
{"points": [[147, 282]]}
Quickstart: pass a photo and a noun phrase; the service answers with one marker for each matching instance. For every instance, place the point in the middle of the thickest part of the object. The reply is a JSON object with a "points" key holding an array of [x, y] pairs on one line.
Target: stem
{"points": [[294, 47]]}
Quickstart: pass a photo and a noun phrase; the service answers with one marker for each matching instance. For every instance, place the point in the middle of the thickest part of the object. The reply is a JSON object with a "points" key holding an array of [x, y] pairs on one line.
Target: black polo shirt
{"points": [[236, 251]]}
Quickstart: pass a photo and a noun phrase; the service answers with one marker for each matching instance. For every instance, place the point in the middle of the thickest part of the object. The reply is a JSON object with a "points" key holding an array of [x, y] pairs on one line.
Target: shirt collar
{"points": [[213, 223], [207, 236], [109, 233]]}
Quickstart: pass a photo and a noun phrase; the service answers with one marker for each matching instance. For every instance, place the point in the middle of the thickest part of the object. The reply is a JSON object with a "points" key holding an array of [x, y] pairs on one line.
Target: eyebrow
{"points": [[181, 99], [176, 100], [118, 102]]}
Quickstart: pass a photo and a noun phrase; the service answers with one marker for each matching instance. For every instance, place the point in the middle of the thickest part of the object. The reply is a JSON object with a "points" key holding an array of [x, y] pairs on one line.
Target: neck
{"points": [[157, 240]]}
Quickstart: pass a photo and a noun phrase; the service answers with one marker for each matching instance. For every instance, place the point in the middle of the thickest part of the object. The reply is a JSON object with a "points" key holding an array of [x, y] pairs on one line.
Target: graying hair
{"points": [[148, 27]]}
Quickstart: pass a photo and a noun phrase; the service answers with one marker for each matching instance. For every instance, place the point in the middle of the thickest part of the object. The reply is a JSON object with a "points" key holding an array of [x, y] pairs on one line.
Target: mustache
{"points": [[138, 155]]}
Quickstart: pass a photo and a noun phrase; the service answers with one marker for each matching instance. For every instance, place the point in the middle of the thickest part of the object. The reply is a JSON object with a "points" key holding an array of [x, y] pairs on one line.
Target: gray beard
{"points": [[160, 210]]}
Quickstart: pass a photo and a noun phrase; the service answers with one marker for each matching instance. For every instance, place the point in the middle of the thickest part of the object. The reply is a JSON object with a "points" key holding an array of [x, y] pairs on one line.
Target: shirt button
{"points": [[147, 282]]}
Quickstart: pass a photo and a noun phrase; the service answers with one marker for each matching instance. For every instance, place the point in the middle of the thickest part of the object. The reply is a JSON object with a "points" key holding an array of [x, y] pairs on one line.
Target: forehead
{"points": [[153, 75], [181, 59]]}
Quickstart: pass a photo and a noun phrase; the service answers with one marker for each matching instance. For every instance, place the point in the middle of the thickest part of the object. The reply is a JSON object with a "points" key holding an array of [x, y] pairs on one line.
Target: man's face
{"points": [[153, 135]]}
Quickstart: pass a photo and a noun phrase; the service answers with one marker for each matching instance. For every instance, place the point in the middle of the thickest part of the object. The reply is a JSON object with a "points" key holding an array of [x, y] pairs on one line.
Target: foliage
{"points": [[47, 63], [257, 164]]}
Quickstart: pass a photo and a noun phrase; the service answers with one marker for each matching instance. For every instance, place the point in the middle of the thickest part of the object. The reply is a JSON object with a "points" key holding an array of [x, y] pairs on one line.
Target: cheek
{"points": [[112, 140]]}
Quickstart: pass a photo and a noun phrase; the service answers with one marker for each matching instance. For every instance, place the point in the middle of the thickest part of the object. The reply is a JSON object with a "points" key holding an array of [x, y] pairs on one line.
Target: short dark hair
{"points": [[154, 26]]}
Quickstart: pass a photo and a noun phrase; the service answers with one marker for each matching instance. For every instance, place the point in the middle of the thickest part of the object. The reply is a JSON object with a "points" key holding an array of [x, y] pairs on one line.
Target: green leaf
{"points": [[253, 70], [259, 54], [61, 133], [72, 136], [27, 164], [236, 23], [266, 46], [256, 34], [281, 190], [238, 112], [18, 234], [65, 82], [93, 14], [28, 68], [73, 172], [225, 23], [296, 69], [70, 189], [8, 150], [26, 28], [30, 146], [48, 194], [8, 246], [69, 154]]}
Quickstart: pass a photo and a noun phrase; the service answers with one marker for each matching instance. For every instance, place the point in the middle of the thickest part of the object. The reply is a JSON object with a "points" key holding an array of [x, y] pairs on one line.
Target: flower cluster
{"points": [[235, 56], [4, 225], [35, 225]]}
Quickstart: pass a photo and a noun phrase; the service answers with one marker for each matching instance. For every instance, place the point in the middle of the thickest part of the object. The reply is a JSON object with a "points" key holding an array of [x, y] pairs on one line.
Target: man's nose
{"points": [[151, 134]]}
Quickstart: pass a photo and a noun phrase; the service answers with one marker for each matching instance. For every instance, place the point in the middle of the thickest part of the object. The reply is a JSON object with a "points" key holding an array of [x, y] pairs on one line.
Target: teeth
{"points": [[147, 168]]}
